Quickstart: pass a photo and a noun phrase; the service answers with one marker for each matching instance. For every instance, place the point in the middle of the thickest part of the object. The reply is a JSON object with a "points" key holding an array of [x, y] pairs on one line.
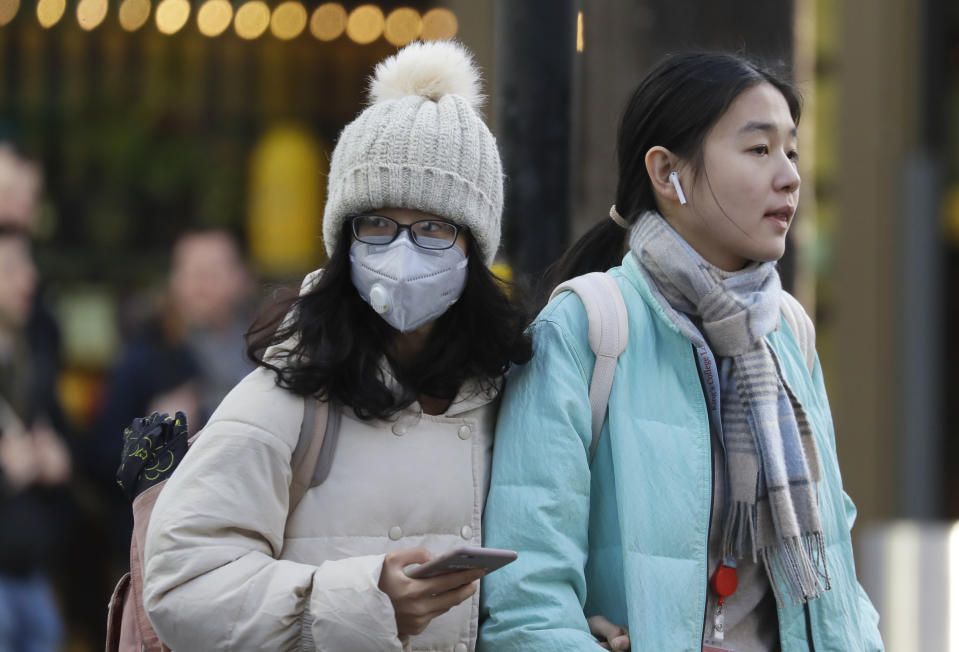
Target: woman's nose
{"points": [[787, 178]]}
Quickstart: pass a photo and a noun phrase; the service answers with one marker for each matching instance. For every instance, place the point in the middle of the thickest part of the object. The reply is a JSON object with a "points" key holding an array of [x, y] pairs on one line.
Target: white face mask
{"points": [[406, 284]]}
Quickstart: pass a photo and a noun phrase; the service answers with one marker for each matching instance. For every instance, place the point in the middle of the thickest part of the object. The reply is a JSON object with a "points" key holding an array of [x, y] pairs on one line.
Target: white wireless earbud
{"points": [[679, 189]]}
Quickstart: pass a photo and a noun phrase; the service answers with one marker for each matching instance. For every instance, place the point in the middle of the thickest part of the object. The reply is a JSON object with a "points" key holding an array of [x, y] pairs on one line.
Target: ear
{"points": [[659, 163]]}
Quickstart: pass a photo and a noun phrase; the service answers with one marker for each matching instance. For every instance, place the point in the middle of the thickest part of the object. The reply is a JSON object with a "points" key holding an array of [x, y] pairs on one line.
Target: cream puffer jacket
{"points": [[225, 569]]}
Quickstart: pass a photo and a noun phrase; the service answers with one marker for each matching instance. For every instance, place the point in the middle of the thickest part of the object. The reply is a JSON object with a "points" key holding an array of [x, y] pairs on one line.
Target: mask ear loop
{"points": [[679, 189]]}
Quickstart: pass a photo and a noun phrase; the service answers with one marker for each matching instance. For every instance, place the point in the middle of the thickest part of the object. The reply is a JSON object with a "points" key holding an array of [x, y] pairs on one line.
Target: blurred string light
{"points": [[252, 19], [580, 44], [365, 24], [402, 26], [328, 21], [214, 17], [439, 24], [288, 21], [49, 12], [134, 14], [8, 10], [90, 13], [172, 15]]}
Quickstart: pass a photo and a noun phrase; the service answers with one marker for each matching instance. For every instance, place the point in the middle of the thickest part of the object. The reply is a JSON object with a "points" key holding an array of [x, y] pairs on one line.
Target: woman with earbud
{"points": [[406, 334], [712, 516]]}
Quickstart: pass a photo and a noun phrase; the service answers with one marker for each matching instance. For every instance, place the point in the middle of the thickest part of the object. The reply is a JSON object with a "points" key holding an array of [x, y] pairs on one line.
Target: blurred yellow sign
{"points": [[504, 274], [950, 215], [502, 270], [288, 172]]}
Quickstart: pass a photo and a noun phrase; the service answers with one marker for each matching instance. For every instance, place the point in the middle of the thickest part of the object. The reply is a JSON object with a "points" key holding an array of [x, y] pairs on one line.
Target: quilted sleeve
{"points": [[538, 503]]}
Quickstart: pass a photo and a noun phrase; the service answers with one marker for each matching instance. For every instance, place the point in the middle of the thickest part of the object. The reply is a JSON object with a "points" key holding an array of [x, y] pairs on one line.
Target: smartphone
{"points": [[462, 558]]}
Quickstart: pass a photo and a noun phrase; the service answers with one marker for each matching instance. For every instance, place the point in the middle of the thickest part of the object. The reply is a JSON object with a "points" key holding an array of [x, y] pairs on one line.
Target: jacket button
{"points": [[399, 429], [460, 647], [466, 532], [464, 432], [396, 532]]}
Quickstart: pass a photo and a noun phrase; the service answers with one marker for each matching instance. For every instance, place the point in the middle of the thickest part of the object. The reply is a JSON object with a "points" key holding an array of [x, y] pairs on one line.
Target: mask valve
{"points": [[379, 298]]}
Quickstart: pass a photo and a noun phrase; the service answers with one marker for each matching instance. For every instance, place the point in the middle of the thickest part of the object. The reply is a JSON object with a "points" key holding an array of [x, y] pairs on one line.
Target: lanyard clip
{"points": [[725, 580]]}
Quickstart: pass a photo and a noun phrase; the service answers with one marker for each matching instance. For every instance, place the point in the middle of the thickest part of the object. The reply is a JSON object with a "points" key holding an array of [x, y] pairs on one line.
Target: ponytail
{"points": [[602, 247]]}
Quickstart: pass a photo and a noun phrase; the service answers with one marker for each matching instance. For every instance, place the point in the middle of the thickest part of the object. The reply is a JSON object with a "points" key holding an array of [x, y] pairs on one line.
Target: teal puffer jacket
{"points": [[627, 536]]}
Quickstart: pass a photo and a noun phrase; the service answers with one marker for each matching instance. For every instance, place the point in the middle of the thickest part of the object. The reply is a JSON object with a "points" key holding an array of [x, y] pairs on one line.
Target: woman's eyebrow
{"points": [[767, 127]]}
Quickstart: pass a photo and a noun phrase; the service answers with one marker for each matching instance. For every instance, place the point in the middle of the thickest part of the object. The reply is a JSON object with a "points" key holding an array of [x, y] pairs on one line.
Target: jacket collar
{"points": [[471, 395], [638, 279]]}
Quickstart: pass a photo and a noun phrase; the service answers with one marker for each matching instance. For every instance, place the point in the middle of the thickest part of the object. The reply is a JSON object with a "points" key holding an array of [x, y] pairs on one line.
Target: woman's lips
{"points": [[781, 216]]}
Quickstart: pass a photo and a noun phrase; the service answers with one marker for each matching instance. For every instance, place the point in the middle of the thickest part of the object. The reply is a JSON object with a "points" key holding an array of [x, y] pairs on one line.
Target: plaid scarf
{"points": [[771, 460]]}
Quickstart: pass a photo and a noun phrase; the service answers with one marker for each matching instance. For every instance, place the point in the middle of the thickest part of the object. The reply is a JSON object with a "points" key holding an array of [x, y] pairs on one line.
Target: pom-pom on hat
{"points": [[420, 144]]}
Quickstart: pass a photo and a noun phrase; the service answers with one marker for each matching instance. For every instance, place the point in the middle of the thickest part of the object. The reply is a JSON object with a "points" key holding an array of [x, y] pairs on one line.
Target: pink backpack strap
{"points": [[314, 448], [119, 610], [142, 508]]}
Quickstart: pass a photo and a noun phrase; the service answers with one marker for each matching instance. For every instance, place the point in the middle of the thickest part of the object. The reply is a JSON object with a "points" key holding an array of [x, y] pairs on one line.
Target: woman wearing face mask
{"points": [[712, 516], [406, 333]]}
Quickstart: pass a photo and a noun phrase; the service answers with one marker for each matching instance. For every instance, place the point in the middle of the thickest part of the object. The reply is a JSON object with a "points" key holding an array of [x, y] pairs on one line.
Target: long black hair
{"points": [[674, 106], [335, 343]]}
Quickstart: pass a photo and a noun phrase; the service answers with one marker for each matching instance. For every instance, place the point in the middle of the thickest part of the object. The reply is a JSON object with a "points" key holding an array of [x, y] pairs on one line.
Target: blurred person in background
{"points": [[185, 356], [35, 465], [190, 351], [210, 286], [20, 185], [21, 182], [81, 508]]}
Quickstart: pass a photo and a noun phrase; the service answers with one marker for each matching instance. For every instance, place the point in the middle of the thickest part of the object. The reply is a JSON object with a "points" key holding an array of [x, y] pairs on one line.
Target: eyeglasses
{"points": [[381, 230]]}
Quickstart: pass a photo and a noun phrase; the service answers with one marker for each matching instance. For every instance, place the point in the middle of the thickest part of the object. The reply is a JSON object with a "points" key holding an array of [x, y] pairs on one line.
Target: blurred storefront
{"points": [[150, 117], [893, 303]]}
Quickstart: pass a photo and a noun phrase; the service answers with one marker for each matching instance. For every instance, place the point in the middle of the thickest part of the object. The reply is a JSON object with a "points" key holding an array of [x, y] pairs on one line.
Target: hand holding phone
{"points": [[463, 558], [416, 602]]}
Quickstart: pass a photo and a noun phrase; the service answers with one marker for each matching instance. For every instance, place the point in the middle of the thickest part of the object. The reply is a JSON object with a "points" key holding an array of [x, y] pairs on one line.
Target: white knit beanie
{"points": [[420, 144]]}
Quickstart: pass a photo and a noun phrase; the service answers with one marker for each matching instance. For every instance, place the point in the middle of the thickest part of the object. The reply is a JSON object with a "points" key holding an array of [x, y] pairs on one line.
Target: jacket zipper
{"points": [[812, 644], [709, 527], [712, 480], [709, 524]]}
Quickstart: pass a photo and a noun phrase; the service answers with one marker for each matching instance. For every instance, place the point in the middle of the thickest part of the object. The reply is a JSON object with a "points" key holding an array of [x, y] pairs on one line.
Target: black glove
{"points": [[152, 448]]}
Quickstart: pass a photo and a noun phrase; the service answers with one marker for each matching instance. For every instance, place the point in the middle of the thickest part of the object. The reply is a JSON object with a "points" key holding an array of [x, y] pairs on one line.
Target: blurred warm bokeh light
{"points": [[402, 26], [328, 21], [172, 15], [365, 24], [288, 21], [214, 17], [134, 14]]}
